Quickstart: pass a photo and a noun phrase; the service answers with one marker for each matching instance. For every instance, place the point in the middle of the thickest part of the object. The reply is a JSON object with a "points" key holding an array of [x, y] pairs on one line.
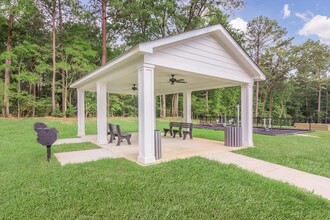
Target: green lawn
{"points": [[308, 154], [195, 188]]}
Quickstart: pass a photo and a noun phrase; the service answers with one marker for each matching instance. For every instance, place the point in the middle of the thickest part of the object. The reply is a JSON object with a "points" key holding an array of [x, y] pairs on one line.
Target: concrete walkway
{"points": [[317, 184], [70, 141], [83, 156], [172, 148]]}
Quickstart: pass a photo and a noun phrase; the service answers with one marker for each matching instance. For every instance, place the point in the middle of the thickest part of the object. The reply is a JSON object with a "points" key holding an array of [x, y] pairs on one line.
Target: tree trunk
{"points": [[326, 105], [160, 106], [6, 111], [64, 86], [18, 98], [70, 97], [264, 100], [207, 101], [64, 95], [108, 104], [319, 103], [34, 97], [163, 106], [257, 100], [307, 107], [175, 105], [54, 57], [257, 83], [104, 32], [270, 112]]}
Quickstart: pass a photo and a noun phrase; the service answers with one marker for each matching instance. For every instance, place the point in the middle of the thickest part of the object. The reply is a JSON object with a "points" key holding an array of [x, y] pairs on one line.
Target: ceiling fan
{"points": [[134, 87], [174, 80]]}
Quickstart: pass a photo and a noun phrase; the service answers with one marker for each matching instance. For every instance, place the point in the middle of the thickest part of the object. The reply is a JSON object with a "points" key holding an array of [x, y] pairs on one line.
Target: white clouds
{"points": [[319, 26], [239, 23], [305, 16], [286, 11]]}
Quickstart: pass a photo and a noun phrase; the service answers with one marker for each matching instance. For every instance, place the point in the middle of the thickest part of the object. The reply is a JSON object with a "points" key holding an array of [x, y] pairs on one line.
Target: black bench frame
{"points": [[187, 129], [173, 125], [115, 131]]}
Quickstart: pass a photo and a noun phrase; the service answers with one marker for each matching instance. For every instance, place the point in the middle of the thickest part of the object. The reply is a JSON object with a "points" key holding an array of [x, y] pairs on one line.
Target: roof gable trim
{"points": [[148, 47]]}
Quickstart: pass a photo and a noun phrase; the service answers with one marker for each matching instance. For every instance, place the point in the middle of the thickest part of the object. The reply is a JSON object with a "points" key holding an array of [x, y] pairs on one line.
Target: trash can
{"points": [[158, 145], [233, 136]]}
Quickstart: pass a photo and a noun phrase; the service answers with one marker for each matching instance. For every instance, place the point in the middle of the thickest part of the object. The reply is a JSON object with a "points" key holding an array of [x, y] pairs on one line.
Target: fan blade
{"points": [[181, 82]]}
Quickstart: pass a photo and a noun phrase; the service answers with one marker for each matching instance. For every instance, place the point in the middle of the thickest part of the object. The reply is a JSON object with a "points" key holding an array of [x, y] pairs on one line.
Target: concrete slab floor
{"points": [[172, 148]]}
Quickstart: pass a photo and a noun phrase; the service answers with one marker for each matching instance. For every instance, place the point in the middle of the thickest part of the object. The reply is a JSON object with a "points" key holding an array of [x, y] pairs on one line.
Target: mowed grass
{"points": [[307, 153], [195, 188], [310, 154]]}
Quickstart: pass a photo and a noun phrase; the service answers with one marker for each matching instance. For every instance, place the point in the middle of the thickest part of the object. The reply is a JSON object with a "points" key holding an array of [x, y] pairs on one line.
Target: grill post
{"points": [[49, 153]]}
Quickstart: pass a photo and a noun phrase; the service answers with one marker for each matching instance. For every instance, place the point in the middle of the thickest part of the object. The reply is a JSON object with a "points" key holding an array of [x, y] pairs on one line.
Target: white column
{"points": [[146, 114], [187, 106], [101, 90], [247, 114], [81, 112]]}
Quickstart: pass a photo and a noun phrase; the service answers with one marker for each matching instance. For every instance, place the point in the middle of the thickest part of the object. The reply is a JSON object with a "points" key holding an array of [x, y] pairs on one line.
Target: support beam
{"points": [[187, 106], [81, 112], [101, 90], [247, 114], [146, 114]]}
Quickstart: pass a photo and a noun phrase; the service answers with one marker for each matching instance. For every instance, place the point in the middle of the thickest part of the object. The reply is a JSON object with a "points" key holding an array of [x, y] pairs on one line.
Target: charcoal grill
{"points": [[46, 137], [39, 125]]}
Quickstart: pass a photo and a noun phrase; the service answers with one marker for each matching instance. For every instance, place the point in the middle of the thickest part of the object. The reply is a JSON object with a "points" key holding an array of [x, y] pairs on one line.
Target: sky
{"points": [[303, 19]]}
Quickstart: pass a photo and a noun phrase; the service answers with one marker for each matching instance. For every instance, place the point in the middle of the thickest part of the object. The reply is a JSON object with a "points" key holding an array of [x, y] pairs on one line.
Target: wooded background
{"points": [[45, 45]]}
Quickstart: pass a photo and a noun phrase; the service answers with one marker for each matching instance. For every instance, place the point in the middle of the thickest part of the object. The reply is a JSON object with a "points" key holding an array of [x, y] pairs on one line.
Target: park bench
{"points": [[115, 131], [172, 129], [187, 130], [182, 128]]}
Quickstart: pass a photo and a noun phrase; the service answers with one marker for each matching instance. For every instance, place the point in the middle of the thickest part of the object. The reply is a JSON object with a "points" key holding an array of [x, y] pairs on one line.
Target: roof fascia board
{"points": [[148, 47], [111, 64]]}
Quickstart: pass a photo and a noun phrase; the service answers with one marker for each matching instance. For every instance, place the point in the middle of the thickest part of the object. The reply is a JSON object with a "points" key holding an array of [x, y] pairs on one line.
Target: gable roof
{"points": [[217, 31]]}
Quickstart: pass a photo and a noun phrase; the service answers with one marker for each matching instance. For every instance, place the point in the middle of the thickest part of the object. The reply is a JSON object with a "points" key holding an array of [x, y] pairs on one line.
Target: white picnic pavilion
{"points": [[207, 58]]}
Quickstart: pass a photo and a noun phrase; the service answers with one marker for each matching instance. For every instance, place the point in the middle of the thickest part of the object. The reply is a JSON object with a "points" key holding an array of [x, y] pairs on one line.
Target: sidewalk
{"points": [[317, 184]]}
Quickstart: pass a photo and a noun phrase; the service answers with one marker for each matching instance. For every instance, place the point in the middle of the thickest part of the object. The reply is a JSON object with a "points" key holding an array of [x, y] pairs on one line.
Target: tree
{"points": [[276, 63], [262, 34], [14, 10], [53, 13], [50, 8], [76, 62], [10, 8], [312, 68], [68, 11], [104, 31], [26, 55]]}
